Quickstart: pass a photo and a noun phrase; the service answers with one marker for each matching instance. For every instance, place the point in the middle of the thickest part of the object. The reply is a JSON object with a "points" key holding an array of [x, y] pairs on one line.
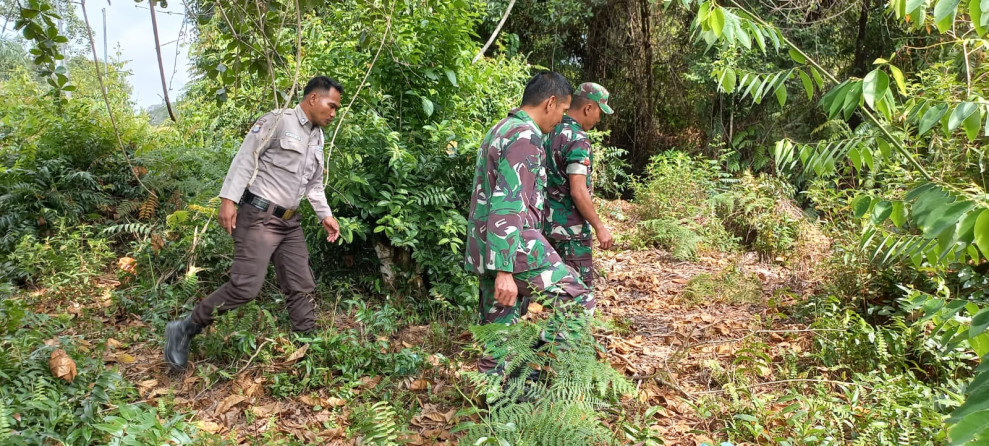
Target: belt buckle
{"points": [[288, 214]]}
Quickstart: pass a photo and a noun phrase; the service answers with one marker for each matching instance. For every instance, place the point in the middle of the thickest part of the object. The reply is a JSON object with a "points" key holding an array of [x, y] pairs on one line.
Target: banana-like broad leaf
{"points": [[972, 125], [861, 205], [960, 114], [874, 86], [979, 323], [898, 214], [944, 14], [881, 211], [981, 231], [931, 117], [808, 84]]}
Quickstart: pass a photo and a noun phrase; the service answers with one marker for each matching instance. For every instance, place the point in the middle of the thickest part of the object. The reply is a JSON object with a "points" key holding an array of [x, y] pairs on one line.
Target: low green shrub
{"points": [[686, 205], [676, 186], [563, 406], [858, 384], [258, 331], [760, 211], [12, 311], [680, 239], [611, 169], [96, 407], [72, 256], [675, 206]]}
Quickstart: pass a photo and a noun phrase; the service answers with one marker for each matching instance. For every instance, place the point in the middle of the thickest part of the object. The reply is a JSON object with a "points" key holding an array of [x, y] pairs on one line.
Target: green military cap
{"points": [[596, 93]]}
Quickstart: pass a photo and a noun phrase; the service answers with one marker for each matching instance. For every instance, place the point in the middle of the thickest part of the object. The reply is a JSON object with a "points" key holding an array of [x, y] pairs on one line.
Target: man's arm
{"points": [[316, 194], [514, 184], [582, 199], [507, 207], [242, 169], [577, 157]]}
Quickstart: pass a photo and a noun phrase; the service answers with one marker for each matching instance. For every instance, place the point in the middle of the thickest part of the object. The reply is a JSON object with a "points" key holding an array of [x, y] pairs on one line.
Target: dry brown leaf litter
{"points": [[663, 351]]}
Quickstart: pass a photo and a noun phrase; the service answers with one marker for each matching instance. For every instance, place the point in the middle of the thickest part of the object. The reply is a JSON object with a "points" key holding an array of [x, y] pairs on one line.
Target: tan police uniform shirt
{"points": [[289, 167]]}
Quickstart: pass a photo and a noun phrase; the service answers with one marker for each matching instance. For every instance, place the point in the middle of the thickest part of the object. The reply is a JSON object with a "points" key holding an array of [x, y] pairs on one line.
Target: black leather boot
{"points": [[178, 335]]}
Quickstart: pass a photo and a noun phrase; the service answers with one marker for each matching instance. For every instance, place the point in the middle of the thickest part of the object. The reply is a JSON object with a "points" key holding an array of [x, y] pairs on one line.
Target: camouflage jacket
{"points": [[506, 210], [568, 152]]}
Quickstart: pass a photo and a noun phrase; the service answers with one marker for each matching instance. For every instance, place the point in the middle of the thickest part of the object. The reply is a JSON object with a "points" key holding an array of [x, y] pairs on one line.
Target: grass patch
{"points": [[676, 209], [730, 286]]}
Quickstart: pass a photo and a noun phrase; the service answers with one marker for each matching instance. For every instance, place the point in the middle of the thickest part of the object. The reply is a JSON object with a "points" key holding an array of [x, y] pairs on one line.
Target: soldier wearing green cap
{"points": [[505, 245], [569, 187]]}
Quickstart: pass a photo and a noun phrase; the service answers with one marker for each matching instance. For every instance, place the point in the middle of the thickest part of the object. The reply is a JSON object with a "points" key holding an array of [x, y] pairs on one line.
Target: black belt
{"points": [[263, 205]]}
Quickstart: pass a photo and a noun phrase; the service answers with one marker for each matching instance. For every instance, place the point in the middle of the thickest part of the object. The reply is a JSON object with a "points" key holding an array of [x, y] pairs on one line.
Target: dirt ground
{"points": [[666, 339]]}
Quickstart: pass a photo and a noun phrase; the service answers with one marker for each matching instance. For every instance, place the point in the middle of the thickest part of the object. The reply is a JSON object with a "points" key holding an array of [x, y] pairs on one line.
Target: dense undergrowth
{"points": [[876, 338]]}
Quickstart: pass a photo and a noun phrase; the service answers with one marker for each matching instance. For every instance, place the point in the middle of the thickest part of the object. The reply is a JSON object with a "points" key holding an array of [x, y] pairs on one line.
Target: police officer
{"points": [[505, 244], [569, 161], [279, 163]]}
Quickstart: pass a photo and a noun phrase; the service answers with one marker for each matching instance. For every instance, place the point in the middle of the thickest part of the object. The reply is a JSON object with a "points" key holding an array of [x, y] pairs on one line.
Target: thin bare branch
{"points": [[267, 54], [106, 99], [343, 115], [161, 66], [968, 71], [298, 53], [491, 39], [233, 30]]}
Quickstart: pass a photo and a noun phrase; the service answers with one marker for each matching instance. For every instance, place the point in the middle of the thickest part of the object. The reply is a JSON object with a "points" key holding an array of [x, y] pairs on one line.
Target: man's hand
{"points": [[582, 201], [332, 229], [506, 291], [604, 237], [227, 215]]}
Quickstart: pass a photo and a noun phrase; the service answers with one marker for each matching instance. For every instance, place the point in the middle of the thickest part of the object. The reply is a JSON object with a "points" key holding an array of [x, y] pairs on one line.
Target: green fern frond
{"points": [[823, 157], [679, 237], [129, 206], [378, 424], [137, 229], [5, 431], [434, 196], [543, 423], [190, 283], [561, 407]]}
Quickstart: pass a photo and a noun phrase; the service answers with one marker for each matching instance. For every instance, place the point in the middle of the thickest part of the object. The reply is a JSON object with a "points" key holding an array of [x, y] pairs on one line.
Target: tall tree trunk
{"points": [[860, 65], [646, 131]]}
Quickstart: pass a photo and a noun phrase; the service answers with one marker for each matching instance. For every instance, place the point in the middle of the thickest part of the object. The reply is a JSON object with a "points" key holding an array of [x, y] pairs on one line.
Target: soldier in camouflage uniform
{"points": [[569, 160], [505, 244]]}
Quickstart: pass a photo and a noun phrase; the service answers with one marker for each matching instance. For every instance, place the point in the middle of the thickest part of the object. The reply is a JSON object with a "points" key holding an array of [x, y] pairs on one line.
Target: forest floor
{"points": [[672, 327]]}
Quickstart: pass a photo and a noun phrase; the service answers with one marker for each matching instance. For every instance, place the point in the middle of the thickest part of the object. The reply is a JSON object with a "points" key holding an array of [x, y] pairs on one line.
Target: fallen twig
{"points": [[251, 359], [663, 383], [786, 381], [755, 332]]}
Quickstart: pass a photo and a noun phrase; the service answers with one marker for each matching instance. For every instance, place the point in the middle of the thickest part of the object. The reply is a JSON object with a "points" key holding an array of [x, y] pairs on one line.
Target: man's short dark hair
{"points": [[321, 83], [578, 102], [543, 85]]}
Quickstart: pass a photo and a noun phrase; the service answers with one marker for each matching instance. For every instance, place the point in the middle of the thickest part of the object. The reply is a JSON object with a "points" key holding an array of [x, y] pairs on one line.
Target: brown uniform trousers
{"points": [[258, 239]]}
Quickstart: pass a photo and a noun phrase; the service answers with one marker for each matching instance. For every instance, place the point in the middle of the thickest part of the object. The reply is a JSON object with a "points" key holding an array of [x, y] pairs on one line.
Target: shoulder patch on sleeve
{"points": [[260, 122]]}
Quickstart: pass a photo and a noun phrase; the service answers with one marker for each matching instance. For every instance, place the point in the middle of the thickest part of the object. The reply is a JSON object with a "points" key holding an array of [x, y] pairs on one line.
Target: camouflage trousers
{"points": [[557, 287], [577, 254]]}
